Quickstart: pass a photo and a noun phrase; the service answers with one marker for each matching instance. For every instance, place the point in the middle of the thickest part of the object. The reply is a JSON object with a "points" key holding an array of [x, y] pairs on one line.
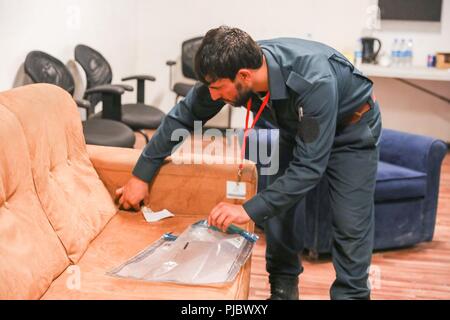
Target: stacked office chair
{"points": [[138, 116], [44, 68], [188, 50]]}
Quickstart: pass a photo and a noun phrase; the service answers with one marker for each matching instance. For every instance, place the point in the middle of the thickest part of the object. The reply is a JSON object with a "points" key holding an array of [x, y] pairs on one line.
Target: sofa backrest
{"points": [[73, 197], [31, 254]]}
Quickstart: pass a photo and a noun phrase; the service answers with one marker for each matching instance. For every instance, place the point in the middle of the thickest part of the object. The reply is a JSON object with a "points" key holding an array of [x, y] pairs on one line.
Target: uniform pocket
{"points": [[370, 136], [375, 126], [371, 121], [360, 135]]}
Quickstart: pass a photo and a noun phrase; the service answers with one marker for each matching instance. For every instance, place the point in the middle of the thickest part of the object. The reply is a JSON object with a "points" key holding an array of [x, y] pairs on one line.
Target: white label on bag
{"points": [[237, 242], [236, 190]]}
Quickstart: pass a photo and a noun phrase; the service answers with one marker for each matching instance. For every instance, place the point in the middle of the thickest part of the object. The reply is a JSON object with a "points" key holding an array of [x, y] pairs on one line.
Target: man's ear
{"points": [[245, 75]]}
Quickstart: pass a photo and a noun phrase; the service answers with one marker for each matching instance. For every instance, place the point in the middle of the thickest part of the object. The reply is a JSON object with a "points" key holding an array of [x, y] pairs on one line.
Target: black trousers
{"points": [[351, 174]]}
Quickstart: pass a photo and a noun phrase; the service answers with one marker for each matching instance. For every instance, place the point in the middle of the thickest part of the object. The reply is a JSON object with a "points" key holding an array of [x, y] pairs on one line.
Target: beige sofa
{"points": [[60, 229]]}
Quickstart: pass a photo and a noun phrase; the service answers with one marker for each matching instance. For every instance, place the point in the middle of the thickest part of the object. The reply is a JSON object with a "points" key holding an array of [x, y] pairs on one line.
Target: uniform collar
{"points": [[277, 83]]}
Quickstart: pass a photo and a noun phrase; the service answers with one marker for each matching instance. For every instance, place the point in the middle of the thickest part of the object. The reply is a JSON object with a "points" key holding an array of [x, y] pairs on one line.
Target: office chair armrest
{"points": [[86, 105], [111, 97], [171, 63], [83, 104], [140, 77], [126, 87], [106, 89], [140, 85]]}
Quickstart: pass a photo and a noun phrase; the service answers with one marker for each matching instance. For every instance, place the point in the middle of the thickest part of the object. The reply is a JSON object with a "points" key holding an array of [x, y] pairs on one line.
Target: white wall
{"points": [[407, 109], [57, 26], [164, 25], [140, 35]]}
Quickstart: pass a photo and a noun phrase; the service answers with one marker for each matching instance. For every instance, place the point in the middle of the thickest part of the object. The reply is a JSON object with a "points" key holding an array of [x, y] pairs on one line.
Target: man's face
{"points": [[235, 93]]}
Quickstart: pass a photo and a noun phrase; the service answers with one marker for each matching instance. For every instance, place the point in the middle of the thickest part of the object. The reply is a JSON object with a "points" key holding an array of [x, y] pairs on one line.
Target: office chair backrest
{"points": [[188, 50], [43, 68], [98, 70]]}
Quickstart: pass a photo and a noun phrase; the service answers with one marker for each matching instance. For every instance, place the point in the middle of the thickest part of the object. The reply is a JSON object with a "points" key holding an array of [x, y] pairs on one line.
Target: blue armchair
{"points": [[406, 195]]}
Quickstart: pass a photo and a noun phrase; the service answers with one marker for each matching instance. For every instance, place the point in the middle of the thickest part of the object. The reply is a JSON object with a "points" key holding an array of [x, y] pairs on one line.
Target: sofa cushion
{"points": [[125, 236], [31, 254], [72, 195], [397, 183]]}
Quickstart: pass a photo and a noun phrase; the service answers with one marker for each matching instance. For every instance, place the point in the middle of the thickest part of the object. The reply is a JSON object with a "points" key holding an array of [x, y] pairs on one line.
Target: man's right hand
{"points": [[132, 194]]}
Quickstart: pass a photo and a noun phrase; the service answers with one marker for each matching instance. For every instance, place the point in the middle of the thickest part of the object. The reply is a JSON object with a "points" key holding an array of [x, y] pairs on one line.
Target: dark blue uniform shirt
{"points": [[303, 75]]}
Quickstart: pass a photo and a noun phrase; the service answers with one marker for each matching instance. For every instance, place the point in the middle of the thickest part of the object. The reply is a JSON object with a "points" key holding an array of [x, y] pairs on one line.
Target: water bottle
{"points": [[358, 53], [402, 53], [394, 49], [410, 53]]}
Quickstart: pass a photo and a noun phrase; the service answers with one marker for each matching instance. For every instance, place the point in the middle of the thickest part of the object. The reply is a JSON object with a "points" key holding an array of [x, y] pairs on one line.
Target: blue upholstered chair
{"points": [[406, 195]]}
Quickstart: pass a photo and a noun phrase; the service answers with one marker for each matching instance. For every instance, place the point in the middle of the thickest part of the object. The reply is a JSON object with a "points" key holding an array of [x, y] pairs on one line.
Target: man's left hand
{"points": [[224, 214]]}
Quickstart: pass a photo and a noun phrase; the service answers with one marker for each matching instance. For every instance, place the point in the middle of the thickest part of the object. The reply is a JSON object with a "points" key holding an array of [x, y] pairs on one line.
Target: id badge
{"points": [[236, 190]]}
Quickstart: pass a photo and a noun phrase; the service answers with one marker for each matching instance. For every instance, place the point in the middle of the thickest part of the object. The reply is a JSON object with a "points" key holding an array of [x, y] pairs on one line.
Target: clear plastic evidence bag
{"points": [[200, 255]]}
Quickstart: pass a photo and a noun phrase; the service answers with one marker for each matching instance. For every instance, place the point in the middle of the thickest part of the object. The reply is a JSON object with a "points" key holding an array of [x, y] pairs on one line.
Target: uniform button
{"points": [[50, 175], [69, 162], [6, 205]]}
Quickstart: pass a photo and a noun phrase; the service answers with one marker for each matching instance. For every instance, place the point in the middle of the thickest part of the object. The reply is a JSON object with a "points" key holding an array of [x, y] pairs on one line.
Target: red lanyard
{"points": [[255, 120]]}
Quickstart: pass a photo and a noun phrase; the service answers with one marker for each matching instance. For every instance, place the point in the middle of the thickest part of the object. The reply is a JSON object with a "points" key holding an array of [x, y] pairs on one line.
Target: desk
{"points": [[404, 74]]}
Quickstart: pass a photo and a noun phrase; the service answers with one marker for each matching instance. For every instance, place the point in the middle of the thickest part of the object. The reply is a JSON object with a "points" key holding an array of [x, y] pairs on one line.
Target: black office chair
{"points": [[188, 50], [138, 116], [43, 68]]}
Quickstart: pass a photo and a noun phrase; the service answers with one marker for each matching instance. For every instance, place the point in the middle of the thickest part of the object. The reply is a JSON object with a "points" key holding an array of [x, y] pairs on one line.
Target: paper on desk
{"points": [[151, 216]]}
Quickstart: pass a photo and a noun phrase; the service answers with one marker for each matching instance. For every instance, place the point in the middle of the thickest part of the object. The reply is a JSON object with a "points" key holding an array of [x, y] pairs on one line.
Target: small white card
{"points": [[236, 190], [151, 216]]}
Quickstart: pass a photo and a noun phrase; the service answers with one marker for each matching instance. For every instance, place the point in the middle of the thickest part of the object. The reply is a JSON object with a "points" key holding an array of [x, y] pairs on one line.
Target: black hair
{"points": [[223, 52]]}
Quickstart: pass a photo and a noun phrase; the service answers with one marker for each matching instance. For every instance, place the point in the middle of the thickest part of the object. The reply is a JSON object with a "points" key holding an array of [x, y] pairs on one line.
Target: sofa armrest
{"points": [[420, 153], [184, 189], [409, 150]]}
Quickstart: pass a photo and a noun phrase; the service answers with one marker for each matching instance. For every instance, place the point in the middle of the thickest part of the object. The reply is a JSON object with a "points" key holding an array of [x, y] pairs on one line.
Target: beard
{"points": [[243, 95]]}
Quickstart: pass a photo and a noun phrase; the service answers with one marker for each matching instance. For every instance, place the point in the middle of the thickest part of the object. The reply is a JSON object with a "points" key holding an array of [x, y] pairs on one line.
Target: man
{"points": [[329, 126]]}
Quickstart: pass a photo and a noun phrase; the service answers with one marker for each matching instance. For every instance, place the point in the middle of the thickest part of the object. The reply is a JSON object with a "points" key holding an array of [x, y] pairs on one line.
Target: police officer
{"points": [[329, 126]]}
